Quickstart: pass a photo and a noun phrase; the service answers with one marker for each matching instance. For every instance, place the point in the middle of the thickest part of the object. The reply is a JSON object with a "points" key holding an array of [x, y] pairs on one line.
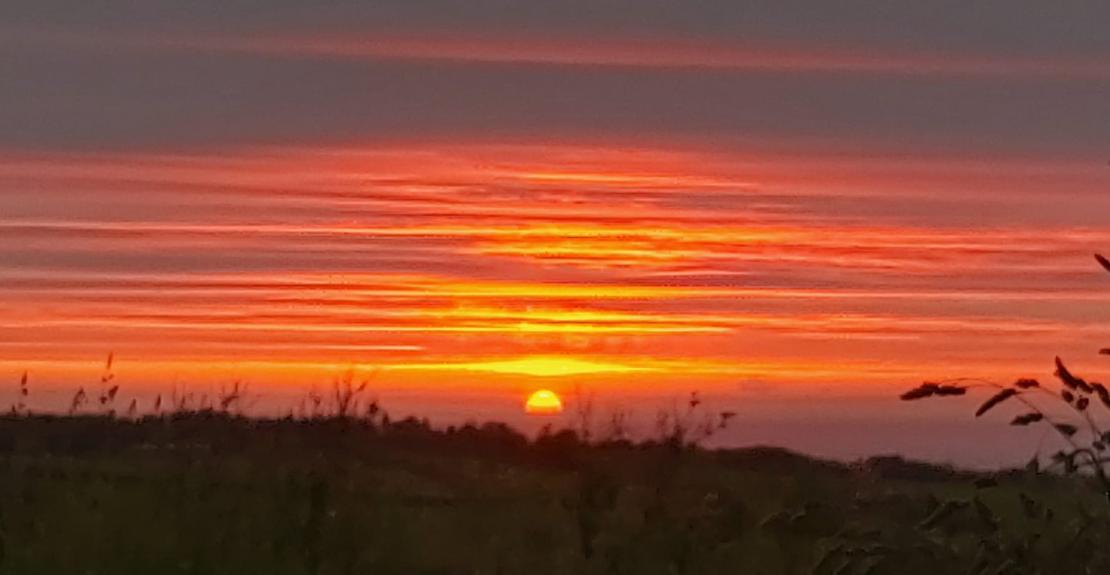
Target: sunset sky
{"points": [[797, 209]]}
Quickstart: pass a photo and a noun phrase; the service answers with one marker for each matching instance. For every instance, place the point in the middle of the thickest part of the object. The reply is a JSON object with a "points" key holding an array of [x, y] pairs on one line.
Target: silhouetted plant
{"points": [[22, 393], [690, 426], [315, 403], [346, 394], [231, 397], [80, 398], [108, 390], [619, 428], [1086, 443], [584, 412], [944, 532]]}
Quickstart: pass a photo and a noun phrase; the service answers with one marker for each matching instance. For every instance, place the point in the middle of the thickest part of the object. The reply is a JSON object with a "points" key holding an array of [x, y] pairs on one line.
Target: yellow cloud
{"points": [[541, 366]]}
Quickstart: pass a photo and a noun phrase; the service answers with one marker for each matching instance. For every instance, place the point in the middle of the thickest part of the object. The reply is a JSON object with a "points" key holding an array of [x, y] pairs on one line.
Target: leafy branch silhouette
{"points": [[1087, 444]]}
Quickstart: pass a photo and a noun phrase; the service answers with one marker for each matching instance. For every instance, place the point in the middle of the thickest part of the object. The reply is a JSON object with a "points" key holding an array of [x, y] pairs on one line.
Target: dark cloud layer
{"points": [[110, 99], [997, 26], [96, 93]]}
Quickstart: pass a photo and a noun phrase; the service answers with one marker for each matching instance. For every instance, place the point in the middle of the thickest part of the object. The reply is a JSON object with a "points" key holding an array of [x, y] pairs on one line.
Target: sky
{"points": [[796, 209]]}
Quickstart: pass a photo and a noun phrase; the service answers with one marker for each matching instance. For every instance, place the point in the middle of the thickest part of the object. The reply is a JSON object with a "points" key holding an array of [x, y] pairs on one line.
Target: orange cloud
{"points": [[634, 268]]}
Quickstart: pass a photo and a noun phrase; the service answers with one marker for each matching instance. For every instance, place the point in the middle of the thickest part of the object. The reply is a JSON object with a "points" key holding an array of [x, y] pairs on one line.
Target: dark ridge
{"points": [[776, 459], [222, 433], [898, 468]]}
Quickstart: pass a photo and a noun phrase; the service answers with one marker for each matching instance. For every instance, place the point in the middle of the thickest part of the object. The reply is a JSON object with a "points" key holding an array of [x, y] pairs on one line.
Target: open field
{"points": [[213, 493]]}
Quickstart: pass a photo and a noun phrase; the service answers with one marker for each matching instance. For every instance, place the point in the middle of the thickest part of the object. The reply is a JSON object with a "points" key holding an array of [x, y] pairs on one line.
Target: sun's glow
{"points": [[539, 366], [543, 402]]}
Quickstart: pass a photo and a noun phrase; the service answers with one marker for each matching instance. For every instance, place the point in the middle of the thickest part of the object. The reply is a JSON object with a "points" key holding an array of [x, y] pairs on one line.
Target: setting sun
{"points": [[543, 402]]}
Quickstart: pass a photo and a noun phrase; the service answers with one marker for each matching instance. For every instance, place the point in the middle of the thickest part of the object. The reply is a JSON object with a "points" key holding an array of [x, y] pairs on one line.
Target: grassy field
{"points": [[212, 493]]}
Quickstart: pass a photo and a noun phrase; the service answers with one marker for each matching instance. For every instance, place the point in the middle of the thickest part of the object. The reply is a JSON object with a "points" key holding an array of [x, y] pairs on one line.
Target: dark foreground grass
{"points": [[211, 493]]}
